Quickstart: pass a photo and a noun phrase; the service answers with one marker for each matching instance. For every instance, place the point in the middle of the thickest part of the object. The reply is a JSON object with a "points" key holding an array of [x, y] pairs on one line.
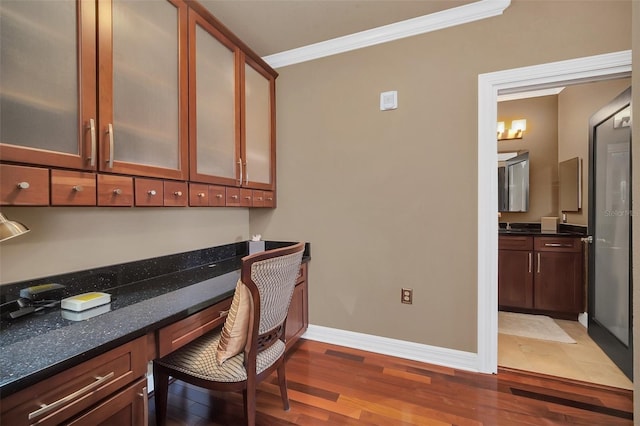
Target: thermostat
{"points": [[388, 100]]}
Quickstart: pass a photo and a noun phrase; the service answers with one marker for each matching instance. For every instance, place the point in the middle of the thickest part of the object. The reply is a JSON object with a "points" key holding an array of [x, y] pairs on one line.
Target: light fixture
{"points": [[515, 132], [10, 228]]}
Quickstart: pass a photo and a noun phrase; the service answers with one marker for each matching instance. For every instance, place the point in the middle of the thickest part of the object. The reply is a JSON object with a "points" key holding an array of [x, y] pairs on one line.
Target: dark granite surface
{"points": [[146, 295], [533, 229]]}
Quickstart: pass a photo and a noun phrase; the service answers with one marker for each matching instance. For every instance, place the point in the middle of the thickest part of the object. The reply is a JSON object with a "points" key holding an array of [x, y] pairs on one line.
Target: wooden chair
{"points": [[270, 278]]}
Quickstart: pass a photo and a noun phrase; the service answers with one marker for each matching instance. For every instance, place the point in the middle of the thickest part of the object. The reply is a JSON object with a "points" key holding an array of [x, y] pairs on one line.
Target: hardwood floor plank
{"points": [[332, 385]]}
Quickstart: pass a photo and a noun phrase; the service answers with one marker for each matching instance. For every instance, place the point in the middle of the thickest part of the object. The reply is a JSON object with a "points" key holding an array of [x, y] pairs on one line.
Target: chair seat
{"points": [[198, 359]]}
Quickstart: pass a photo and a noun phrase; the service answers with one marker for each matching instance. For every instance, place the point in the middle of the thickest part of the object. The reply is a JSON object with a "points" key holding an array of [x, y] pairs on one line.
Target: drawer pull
{"points": [[178, 193], [201, 194], [557, 245], [259, 198], [117, 191], [218, 195], [247, 197], [269, 199], [78, 188], [538, 262], [530, 261], [23, 185], [152, 192], [235, 197], [45, 408]]}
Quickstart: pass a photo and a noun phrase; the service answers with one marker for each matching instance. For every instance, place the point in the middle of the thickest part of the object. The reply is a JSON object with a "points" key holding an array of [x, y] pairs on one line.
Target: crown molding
{"points": [[423, 24]]}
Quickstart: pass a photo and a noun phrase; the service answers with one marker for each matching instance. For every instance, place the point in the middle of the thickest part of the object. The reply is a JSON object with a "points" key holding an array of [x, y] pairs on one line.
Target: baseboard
{"points": [[393, 347]]}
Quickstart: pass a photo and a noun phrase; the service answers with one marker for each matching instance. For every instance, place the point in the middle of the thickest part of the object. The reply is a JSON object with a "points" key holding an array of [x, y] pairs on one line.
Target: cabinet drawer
{"points": [[198, 195], [175, 194], [180, 333], [258, 198], [246, 197], [269, 199], [73, 188], [23, 186], [115, 191], [149, 192], [558, 244], [517, 242], [58, 398], [217, 195], [233, 197]]}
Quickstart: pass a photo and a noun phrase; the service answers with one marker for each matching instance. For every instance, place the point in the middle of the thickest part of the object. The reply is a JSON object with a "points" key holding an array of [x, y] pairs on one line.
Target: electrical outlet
{"points": [[407, 296]]}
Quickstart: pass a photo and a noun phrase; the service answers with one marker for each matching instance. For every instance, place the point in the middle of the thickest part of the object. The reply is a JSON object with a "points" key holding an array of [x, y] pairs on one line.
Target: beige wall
{"points": [[635, 159], [576, 104], [541, 140], [389, 199], [73, 239]]}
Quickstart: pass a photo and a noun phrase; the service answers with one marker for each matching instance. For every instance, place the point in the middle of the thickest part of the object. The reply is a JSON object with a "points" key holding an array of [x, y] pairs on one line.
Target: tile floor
{"points": [[583, 361]]}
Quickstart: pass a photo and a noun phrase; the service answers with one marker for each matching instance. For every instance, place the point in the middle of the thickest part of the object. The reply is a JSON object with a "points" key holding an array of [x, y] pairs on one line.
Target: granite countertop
{"points": [[146, 295], [534, 229]]}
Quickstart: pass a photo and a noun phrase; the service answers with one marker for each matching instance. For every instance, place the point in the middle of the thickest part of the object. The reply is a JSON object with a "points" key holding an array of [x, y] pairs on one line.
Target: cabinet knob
{"points": [[117, 191], [235, 197], [269, 199], [247, 197], [178, 193], [23, 185], [201, 194], [259, 198], [152, 192], [78, 188], [218, 195]]}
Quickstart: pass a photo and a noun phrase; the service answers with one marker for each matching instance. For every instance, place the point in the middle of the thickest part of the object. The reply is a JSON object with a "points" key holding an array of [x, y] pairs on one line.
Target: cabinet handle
{"points": [[240, 164], [178, 193], [152, 192], [45, 408], [246, 174], [145, 405], [557, 245], [117, 191], [110, 132], [23, 185], [92, 132], [538, 262], [78, 188], [530, 261]]}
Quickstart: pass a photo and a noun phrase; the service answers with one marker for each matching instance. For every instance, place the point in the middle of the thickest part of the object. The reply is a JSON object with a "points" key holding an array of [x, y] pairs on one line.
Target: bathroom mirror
{"points": [[513, 182], [570, 181]]}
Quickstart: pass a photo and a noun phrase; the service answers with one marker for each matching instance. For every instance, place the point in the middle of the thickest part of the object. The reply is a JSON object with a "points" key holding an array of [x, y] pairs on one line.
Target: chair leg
{"points": [[249, 395], [282, 381], [160, 392]]}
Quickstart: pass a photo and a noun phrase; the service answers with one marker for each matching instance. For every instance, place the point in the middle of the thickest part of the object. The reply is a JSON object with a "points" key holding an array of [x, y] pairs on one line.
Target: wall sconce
{"points": [[10, 228], [515, 132]]}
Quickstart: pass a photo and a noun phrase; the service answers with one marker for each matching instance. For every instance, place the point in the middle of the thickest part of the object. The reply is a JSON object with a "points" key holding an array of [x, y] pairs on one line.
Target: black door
{"points": [[610, 285]]}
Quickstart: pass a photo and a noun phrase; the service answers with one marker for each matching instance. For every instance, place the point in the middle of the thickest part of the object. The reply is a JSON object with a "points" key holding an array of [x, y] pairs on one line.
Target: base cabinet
{"points": [[541, 274], [298, 316]]}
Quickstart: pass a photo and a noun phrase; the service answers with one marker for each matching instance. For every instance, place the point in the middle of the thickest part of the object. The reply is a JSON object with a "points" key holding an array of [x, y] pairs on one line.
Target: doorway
{"points": [[555, 74]]}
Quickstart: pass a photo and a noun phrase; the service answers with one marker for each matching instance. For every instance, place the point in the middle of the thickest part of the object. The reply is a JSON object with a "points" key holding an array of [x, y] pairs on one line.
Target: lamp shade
{"points": [[10, 228]]}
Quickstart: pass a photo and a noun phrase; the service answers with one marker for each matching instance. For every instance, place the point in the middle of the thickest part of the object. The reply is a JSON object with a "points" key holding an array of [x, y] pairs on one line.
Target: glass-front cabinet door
{"points": [[214, 97], [258, 124], [48, 83], [142, 78]]}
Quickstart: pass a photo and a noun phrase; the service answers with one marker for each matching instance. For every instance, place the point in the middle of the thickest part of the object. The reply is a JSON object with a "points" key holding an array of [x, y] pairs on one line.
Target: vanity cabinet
{"points": [[298, 316], [109, 386], [541, 273]]}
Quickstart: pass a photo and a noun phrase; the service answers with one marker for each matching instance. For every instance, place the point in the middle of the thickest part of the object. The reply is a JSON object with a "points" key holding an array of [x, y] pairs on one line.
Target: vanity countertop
{"points": [[533, 229], [146, 295]]}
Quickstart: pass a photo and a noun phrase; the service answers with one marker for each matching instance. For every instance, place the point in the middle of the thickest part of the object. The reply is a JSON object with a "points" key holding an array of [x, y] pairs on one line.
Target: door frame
{"points": [[544, 76]]}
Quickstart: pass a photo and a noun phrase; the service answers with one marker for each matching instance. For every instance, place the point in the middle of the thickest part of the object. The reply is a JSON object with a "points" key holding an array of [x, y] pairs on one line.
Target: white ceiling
{"points": [[274, 26]]}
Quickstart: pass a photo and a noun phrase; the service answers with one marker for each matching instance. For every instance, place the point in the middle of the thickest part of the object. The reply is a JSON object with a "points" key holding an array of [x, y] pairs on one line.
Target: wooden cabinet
{"points": [[298, 316], [543, 273], [48, 93], [142, 75], [69, 188], [152, 90], [515, 271], [100, 386]]}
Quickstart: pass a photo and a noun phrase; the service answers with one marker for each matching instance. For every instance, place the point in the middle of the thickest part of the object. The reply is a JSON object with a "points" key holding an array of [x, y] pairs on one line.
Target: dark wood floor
{"points": [[334, 385]]}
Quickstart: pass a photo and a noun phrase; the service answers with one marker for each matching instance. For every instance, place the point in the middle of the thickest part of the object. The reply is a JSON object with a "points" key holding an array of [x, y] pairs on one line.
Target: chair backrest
{"points": [[270, 277]]}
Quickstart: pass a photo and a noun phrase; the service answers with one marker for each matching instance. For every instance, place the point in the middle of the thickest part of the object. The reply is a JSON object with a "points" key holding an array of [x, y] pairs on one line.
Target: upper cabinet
{"points": [[258, 124], [142, 74], [147, 89], [232, 138], [48, 91]]}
